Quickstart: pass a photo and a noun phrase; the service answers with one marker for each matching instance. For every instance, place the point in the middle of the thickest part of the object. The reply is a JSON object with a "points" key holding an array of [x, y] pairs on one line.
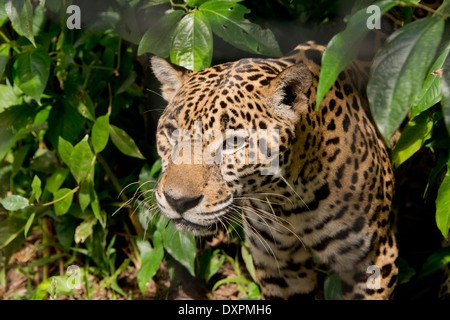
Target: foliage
{"points": [[73, 115]]}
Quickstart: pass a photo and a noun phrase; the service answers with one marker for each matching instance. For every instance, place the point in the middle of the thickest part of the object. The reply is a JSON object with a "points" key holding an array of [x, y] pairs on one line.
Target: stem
{"points": [[64, 196], [8, 41], [183, 6], [423, 7]]}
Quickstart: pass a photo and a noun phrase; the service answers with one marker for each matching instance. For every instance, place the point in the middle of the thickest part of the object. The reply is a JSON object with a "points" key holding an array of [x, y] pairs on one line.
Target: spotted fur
{"points": [[330, 199]]}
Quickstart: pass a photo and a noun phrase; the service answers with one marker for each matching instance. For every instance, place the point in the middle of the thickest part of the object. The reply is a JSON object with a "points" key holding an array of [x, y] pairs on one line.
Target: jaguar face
{"points": [[224, 134]]}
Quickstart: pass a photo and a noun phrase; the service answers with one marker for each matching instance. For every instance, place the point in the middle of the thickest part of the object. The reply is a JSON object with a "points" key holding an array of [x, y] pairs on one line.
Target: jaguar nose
{"points": [[182, 204]]}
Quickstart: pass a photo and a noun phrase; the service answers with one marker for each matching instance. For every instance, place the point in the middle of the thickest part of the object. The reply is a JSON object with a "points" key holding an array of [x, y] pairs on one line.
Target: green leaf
{"points": [[226, 19], [443, 204], [31, 71], [4, 54], [14, 202], [230, 280], [344, 47], [192, 42], [8, 97], [56, 179], [84, 195], [65, 150], [333, 288], [29, 224], [10, 229], [156, 167], [100, 133], [124, 142], [85, 229], [81, 160], [36, 187], [3, 16], [150, 259], [435, 262], [445, 91], [13, 125], [413, 137], [158, 38], [20, 12], [430, 94], [63, 205], [180, 245], [399, 70]]}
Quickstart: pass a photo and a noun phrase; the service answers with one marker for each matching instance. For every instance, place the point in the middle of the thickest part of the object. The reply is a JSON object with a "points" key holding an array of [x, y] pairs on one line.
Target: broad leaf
{"points": [[192, 42], [399, 70], [430, 94], [445, 91], [124, 142], [150, 259], [8, 97], [20, 12], [14, 203], [435, 261], [85, 229], [344, 47], [31, 71], [158, 38], [180, 245], [65, 150], [84, 195], [36, 187], [413, 137], [63, 201], [81, 160], [333, 288], [13, 125], [443, 204], [3, 16], [227, 21], [100, 133], [4, 53], [56, 179]]}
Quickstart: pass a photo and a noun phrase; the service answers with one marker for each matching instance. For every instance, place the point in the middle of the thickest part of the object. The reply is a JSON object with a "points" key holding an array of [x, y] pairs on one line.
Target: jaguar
{"points": [[330, 194]]}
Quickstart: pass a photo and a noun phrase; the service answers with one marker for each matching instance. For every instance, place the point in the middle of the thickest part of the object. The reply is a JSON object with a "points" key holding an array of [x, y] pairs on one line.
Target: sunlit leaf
{"points": [[192, 42], [14, 202]]}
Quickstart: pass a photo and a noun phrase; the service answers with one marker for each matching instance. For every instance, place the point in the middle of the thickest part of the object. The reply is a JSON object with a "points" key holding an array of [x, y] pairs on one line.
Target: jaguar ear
{"points": [[169, 75], [289, 89]]}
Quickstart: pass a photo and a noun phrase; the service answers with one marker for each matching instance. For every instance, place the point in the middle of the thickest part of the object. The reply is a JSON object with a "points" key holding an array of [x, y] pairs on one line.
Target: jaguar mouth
{"points": [[197, 229]]}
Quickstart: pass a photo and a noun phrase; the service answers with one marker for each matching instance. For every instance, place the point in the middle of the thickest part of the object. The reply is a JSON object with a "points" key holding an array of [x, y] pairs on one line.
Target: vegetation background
{"points": [[78, 112]]}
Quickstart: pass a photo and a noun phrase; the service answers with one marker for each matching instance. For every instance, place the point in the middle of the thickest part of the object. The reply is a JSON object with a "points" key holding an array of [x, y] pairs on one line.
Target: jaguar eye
{"points": [[171, 133], [233, 144]]}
